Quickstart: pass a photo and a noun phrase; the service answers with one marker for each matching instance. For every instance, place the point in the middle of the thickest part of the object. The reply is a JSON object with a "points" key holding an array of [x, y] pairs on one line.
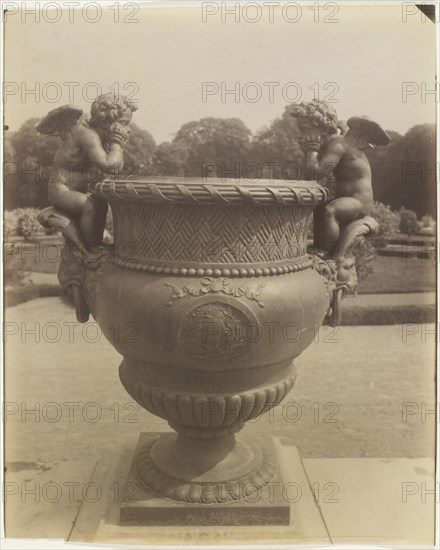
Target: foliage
{"points": [[14, 272], [23, 222], [428, 221], [34, 155], [404, 171], [27, 226], [408, 222], [388, 223], [365, 250], [364, 253], [213, 147], [170, 159], [418, 177], [139, 152], [276, 150], [9, 224], [8, 149]]}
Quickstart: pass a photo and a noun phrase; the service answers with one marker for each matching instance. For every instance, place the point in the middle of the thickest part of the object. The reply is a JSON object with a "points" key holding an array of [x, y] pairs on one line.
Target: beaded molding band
{"points": [[212, 191], [300, 265]]}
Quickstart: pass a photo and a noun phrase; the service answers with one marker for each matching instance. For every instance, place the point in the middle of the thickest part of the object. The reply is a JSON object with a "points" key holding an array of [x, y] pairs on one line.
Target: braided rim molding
{"points": [[153, 479], [212, 191], [305, 262]]}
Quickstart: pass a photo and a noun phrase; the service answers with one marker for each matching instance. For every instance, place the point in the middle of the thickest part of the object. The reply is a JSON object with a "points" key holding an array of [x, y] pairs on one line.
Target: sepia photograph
{"points": [[219, 274]]}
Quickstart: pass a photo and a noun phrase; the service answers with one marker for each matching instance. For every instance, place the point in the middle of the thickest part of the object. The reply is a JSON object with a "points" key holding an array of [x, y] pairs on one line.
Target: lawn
{"points": [[396, 274]]}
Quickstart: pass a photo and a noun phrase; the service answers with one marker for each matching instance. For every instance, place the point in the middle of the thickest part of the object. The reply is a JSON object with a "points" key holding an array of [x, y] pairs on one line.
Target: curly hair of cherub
{"points": [[318, 113], [110, 107]]}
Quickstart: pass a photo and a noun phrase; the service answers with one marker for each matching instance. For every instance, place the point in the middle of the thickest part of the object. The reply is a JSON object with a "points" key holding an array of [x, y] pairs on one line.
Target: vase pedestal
{"points": [[178, 480], [99, 521]]}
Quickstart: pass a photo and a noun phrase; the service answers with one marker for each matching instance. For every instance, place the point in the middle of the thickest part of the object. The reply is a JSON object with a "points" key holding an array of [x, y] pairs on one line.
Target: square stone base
{"points": [[140, 506], [99, 522]]}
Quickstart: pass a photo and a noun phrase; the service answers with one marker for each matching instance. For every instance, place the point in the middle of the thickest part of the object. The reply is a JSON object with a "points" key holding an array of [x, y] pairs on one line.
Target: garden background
{"points": [[403, 172]]}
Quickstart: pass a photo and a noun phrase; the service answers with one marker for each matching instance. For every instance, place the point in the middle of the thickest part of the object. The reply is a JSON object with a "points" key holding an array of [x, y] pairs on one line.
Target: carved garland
{"points": [[216, 286]]}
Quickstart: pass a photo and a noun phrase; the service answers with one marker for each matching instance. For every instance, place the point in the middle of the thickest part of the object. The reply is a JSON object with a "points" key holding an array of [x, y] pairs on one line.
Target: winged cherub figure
{"points": [[337, 148], [91, 148]]}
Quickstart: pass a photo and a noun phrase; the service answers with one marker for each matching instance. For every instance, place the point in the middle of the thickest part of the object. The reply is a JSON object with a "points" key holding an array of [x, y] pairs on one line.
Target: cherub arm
{"points": [[111, 162], [329, 158], [321, 160]]}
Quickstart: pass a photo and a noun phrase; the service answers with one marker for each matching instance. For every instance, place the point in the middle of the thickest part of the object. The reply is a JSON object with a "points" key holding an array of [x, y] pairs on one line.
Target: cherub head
{"points": [[316, 118], [109, 108]]}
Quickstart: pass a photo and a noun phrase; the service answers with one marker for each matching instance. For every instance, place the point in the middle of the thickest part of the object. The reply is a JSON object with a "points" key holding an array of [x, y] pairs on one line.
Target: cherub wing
{"points": [[60, 121]]}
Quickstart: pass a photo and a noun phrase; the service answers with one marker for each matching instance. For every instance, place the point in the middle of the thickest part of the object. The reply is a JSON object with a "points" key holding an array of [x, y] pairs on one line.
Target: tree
{"points": [[214, 147], [388, 223], [11, 179], [365, 250], [34, 155], [277, 150], [8, 149], [404, 171], [139, 152], [418, 171], [170, 159], [408, 222]]}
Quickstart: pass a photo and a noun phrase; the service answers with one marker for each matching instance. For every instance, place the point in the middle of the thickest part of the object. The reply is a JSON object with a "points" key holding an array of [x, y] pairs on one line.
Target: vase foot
{"points": [[205, 471], [234, 483]]}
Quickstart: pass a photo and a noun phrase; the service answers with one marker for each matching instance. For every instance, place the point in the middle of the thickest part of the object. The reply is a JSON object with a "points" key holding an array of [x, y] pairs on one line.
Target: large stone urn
{"points": [[209, 294]]}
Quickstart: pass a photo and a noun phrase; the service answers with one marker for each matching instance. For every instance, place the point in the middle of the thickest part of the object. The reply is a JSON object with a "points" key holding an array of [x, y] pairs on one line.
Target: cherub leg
{"points": [[89, 211], [329, 218], [67, 200], [92, 220]]}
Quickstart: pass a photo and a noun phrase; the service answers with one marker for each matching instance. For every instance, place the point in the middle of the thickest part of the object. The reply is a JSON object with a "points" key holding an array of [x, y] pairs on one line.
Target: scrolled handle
{"points": [[339, 269], [52, 218], [72, 269]]}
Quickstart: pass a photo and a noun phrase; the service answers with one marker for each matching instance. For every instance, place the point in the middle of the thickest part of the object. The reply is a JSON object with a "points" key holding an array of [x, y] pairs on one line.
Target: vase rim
{"points": [[199, 190]]}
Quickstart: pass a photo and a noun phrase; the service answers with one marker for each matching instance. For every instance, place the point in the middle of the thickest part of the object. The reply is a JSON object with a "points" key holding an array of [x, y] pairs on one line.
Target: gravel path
{"points": [[347, 402]]}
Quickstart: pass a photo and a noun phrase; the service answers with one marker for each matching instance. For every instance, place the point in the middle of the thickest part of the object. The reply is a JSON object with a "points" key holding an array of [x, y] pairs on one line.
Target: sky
{"points": [[367, 60]]}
